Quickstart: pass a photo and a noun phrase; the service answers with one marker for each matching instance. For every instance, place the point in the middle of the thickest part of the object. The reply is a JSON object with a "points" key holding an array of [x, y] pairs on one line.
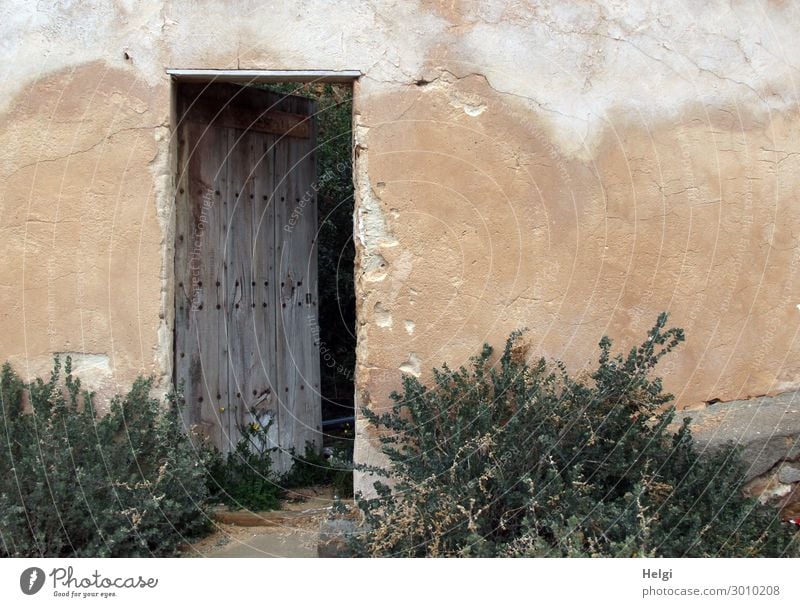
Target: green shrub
{"points": [[525, 460], [314, 469], [244, 477], [73, 483]]}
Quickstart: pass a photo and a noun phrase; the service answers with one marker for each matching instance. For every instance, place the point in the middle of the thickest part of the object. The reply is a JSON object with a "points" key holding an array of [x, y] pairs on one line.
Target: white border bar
{"points": [[188, 75], [402, 582]]}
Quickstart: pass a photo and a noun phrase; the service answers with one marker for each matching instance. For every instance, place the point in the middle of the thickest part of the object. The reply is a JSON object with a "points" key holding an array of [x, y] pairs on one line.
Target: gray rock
{"points": [[766, 428], [789, 473], [334, 535]]}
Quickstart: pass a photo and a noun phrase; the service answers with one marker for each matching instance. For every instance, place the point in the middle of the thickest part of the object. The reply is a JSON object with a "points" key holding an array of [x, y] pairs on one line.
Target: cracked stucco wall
{"points": [[573, 168]]}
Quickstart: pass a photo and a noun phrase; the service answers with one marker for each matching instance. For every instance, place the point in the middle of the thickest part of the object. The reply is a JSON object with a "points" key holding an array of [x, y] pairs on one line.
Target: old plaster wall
{"points": [[573, 168]]}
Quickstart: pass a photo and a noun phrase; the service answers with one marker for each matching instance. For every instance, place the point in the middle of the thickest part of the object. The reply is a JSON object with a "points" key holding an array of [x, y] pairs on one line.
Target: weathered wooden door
{"points": [[246, 265]]}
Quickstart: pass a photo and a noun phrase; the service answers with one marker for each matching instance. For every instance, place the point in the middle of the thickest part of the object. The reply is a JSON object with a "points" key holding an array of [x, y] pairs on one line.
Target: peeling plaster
{"points": [[412, 365], [164, 197], [383, 318]]}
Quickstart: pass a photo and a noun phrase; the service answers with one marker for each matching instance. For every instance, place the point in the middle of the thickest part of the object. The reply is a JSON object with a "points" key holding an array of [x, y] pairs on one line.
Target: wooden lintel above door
{"points": [[227, 106]]}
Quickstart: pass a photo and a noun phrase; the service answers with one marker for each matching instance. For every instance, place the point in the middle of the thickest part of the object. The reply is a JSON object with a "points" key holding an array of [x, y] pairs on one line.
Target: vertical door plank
{"points": [[197, 221], [239, 314], [298, 356], [304, 322], [263, 269], [279, 228], [186, 371], [209, 334]]}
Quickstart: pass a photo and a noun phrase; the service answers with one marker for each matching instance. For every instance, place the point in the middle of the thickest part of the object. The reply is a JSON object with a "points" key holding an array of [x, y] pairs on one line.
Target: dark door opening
{"points": [[265, 304]]}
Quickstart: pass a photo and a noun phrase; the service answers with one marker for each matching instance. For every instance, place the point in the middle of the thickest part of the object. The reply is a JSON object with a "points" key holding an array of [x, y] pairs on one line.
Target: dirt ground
{"points": [[292, 531]]}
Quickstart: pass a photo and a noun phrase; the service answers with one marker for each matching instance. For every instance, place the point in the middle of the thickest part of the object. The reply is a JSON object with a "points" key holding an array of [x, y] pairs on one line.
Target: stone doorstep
{"points": [[271, 518], [333, 532], [301, 506]]}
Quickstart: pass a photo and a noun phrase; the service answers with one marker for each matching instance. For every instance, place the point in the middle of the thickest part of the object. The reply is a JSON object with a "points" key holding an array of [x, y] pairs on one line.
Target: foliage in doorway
{"points": [[314, 469], [74, 483], [519, 459], [244, 478]]}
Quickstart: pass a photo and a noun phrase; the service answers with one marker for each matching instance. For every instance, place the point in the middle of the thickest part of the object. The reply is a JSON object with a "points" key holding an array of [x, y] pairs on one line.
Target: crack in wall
{"points": [[102, 141]]}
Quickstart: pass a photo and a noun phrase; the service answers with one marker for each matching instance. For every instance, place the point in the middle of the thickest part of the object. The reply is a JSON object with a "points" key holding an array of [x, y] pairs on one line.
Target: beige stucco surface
{"points": [[573, 168]]}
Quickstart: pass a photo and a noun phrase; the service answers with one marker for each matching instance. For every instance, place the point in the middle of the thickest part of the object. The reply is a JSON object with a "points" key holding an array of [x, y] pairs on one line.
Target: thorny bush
{"points": [[73, 483], [518, 459]]}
